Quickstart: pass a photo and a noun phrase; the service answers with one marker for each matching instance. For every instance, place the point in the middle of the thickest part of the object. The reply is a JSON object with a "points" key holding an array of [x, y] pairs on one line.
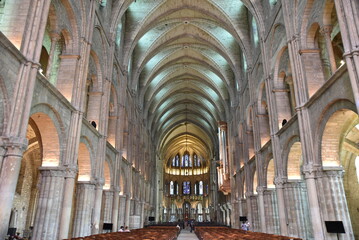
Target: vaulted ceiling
{"points": [[185, 61]]}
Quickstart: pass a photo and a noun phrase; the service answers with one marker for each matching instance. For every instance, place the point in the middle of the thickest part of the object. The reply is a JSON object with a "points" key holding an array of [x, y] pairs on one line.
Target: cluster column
{"points": [[48, 212]]}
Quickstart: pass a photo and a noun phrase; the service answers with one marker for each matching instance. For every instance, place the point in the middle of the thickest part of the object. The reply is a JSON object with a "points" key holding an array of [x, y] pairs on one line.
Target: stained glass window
{"points": [[200, 188], [177, 160], [176, 188], [185, 160], [171, 188], [186, 187]]}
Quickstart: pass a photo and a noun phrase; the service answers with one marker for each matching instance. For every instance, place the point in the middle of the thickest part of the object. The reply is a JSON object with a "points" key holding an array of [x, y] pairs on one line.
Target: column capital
{"points": [[52, 171], [15, 143], [326, 30], [55, 36], [248, 194], [99, 182], [310, 170], [71, 172], [279, 182], [260, 190]]}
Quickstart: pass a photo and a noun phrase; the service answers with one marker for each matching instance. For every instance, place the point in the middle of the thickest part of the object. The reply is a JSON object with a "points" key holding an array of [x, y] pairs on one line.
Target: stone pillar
{"points": [[333, 200], [49, 204], [326, 32], [297, 210], [255, 224], [314, 207], [97, 207], [8, 179], [279, 185], [122, 211], [69, 186], [127, 210], [108, 208], [271, 209], [115, 209], [262, 213], [249, 207], [54, 38], [84, 209], [347, 13], [142, 219]]}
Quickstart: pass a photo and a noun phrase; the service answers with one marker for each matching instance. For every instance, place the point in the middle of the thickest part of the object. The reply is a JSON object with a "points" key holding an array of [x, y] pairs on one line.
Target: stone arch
{"points": [[63, 65], [113, 115], [51, 131], [125, 135], [294, 162], [244, 187], [122, 183], [50, 139], [277, 39], [283, 87], [107, 174], [314, 59], [84, 161], [94, 90], [255, 180], [331, 26], [270, 173], [25, 200], [249, 132], [335, 119], [338, 136], [263, 116], [73, 20]]}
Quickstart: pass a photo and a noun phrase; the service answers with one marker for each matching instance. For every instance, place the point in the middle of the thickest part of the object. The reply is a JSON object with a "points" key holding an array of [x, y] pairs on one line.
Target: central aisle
{"points": [[187, 235]]}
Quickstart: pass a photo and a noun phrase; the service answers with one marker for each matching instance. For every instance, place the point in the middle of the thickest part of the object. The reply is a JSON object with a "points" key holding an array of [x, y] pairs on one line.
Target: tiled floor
{"points": [[187, 235]]}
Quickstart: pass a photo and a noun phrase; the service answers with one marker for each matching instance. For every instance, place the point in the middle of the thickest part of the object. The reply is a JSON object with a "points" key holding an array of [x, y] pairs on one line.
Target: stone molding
{"points": [[52, 171]]}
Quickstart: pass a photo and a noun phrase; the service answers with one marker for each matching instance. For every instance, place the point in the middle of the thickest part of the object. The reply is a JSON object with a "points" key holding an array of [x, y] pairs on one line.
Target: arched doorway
{"points": [[186, 210]]}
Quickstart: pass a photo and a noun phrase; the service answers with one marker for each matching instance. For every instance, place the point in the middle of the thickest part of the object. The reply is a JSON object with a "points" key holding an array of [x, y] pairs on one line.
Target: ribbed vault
{"points": [[185, 64]]}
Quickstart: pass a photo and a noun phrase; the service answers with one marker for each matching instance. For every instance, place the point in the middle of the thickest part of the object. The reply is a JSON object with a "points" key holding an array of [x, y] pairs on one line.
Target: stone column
{"points": [[262, 214], [108, 206], [54, 38], [297, 210], [249, 207], [314, 207], [8, 179], [279, 185], [326, 32], [122, 211], [348, 18], [84, 209], [97, 207], [49, 204], [271, 209], [142, 214], [127, 210], [333, 200], [69, 186], [115, 208], [255, 224]]}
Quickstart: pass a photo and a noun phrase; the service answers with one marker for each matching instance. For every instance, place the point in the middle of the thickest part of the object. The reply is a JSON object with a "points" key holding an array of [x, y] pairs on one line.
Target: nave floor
{"points": [[187, 235]]}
